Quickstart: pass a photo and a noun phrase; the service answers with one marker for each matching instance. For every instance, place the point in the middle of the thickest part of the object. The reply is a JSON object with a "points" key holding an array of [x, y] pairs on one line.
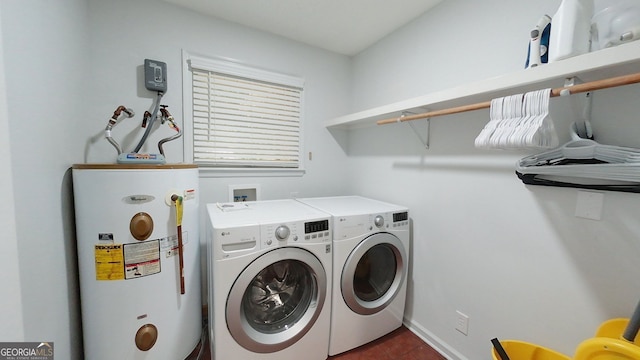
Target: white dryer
{"points": [[370, 262], [270, 273]]}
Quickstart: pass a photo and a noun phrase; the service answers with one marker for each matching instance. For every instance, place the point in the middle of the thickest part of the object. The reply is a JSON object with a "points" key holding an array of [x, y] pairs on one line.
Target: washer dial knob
{"points": [[282, 232], [379, 221]]}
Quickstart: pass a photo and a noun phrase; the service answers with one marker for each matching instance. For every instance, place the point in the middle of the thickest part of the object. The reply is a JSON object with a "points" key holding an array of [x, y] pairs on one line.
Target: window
{"points": [[241, 117]]}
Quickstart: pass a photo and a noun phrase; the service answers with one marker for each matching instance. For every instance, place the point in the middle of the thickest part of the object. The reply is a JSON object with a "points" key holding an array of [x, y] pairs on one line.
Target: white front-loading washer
{"points": [[370, 262], [270, 274]]}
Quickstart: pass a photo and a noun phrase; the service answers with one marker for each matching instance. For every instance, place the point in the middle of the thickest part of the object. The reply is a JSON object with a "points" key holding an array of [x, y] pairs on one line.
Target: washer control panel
{"points": [[282, 232], [299, 232]]}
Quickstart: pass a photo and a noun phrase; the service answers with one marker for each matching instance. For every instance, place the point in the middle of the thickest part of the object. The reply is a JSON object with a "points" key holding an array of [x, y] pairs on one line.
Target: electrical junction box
{"points": [[155, 75]]}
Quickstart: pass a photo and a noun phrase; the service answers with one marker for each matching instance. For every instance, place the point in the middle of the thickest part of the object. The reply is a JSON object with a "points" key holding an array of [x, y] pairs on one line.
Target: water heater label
{"points": [[141, 259], [170, 244], [105, 237], [190, 194], [109, 262], [138, 199]]}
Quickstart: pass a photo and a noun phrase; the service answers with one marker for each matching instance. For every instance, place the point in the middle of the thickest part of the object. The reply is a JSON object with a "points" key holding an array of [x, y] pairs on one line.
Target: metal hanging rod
{"points": [[562, 91]]}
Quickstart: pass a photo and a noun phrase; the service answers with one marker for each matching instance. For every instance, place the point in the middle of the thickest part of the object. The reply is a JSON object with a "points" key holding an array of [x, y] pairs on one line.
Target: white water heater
{"points": [[138, 258]]}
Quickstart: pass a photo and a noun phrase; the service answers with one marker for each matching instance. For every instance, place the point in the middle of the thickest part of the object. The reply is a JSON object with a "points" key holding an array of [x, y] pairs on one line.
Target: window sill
{"points": [[214, 172]]}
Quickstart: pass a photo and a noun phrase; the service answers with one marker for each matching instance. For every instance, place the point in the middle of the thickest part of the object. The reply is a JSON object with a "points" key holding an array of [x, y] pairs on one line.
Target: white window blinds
{"points": [[244, 121]]}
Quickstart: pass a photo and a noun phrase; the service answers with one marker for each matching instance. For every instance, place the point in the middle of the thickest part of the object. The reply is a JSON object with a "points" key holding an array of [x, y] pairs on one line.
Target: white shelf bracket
{"points": [[581, 106], [423, 140]]}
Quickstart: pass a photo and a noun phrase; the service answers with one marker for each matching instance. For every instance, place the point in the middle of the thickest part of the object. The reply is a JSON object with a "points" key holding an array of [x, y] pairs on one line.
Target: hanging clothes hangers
{"points": [[519, 122], [583, 163]]}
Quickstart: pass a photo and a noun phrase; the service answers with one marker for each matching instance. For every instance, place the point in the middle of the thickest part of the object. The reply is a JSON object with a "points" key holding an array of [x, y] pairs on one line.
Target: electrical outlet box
{"points": [[462, 323], [155, 75]]}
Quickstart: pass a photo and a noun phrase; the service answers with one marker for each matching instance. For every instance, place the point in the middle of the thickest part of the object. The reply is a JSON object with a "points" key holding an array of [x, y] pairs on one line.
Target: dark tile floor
{"points": [[400, 344]]}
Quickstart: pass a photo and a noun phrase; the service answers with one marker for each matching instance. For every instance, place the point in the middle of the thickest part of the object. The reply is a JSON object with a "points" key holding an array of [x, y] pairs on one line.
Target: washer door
{"points": [[373, 273], [276, 299]]}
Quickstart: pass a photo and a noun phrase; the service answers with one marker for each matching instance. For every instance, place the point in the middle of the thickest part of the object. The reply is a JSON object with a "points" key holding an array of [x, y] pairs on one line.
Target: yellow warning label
{"points": [[109, 262]]}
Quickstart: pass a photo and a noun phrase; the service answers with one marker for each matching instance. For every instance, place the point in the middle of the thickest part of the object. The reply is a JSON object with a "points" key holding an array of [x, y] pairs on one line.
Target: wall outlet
{"points": [[462, 323]]}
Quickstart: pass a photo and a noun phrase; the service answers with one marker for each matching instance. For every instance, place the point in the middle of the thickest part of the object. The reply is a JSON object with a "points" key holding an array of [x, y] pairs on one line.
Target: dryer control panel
{"points": [[346, 227], [389, 221], [401, 219]]}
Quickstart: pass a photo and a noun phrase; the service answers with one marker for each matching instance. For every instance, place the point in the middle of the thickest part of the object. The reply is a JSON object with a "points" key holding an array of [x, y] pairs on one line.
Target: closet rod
{"points": [[574, 89]]}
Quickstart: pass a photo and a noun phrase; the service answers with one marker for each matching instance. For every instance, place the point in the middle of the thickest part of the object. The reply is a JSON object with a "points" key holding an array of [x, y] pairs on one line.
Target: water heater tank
{"points": [[140, 294]]}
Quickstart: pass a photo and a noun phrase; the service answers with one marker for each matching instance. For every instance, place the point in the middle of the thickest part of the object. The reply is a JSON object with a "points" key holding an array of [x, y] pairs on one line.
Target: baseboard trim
{"points": [[435, 342]]}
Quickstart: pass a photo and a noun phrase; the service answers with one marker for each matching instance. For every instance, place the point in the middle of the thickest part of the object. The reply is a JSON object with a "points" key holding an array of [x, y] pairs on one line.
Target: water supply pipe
{"points": [[148, 126], [112, 122], [166, 116]]}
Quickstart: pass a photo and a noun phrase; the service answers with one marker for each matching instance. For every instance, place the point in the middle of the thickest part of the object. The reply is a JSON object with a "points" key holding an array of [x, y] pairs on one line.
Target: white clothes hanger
{"points": [[495, 114], [519, 122]]}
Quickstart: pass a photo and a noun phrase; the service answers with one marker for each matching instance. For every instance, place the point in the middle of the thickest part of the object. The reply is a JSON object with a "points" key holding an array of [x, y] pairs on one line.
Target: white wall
{"points": [[69, 65], [514, 258], [12, 325], [44, 57]]}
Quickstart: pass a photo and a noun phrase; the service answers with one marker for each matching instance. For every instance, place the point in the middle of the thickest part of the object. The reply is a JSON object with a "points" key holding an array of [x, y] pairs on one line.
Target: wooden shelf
{"points": [[616, 61]]}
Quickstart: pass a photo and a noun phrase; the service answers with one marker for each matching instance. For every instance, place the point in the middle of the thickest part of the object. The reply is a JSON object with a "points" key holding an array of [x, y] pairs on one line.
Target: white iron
{"points": [[536, 49]]}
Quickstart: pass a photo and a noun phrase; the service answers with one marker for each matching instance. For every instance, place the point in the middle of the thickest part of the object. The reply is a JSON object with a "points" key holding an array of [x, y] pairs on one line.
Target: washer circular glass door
{"points": [[373, 273], [276, 299]]}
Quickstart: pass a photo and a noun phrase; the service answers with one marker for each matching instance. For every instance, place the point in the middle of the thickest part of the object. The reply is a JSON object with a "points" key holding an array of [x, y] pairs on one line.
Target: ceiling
{"points": [[342, 26]]}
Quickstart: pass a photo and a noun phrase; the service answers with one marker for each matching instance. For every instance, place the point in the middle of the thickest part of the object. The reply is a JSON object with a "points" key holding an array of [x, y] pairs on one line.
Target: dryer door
{"points": [[276, 299], [373, 273]]}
